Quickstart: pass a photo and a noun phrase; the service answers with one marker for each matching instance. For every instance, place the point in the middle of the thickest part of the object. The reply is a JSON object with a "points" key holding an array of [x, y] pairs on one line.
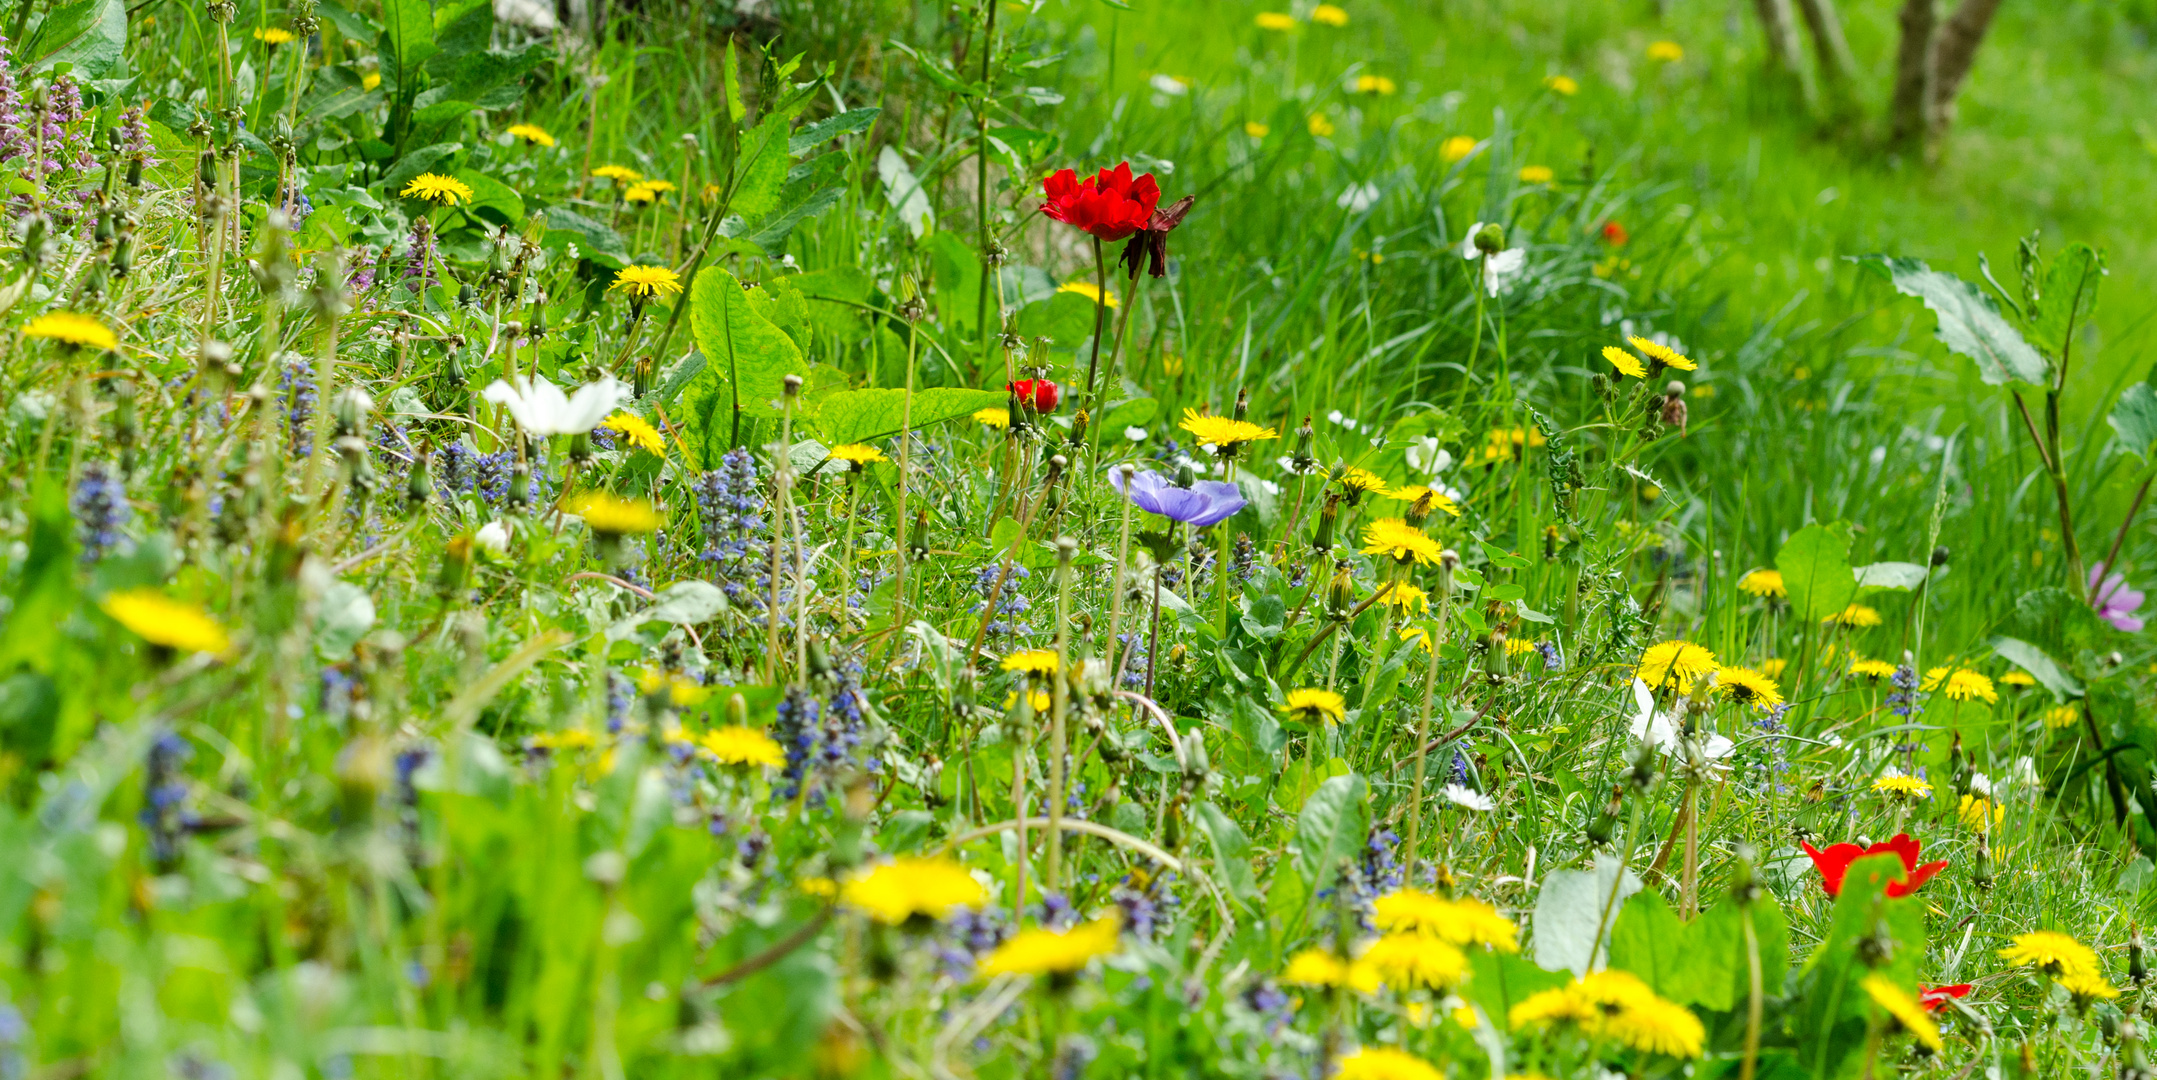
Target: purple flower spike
{"points": [[1207, 502], [2116, 603]]}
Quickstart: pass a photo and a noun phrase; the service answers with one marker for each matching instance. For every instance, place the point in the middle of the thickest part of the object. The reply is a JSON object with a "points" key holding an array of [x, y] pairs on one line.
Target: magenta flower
{"points": [[1206, 502], [2115, 602]]}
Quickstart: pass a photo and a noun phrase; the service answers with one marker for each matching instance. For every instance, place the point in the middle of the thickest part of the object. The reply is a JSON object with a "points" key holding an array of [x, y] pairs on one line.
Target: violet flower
{"points": [[1205, 502], [2115, 602]]}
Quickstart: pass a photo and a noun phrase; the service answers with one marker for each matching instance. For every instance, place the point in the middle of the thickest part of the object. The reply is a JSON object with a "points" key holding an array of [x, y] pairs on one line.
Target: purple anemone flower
{"points": [[1206, 502], [2115, 602]]}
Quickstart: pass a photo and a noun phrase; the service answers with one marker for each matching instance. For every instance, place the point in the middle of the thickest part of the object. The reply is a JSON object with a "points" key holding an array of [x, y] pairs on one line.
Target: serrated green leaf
{"points": [[823, 131], [1332, 827], [2069, 297], [746, 362], [1970, 323], [2134, 419], [2043, 668], [762, 170], [1815, 565], [1231, 854], [853, 416]]}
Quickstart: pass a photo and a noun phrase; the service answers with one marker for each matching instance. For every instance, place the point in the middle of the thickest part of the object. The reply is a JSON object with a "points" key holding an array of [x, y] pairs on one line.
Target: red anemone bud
{"points": [[1614, 234], [1041, 394], [1935, 998], [1110, 206]]}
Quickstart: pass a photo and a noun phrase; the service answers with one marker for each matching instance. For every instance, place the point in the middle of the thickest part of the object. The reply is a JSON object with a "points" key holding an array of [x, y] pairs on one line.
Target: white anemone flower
{"points": [[542, 410], [1426, 456], [493, 536], [1660, 729], [1468, 798]]}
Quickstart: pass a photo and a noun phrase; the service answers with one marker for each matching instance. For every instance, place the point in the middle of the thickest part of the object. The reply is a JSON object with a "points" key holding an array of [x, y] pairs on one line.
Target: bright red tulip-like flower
{"points": [[1835, 862], [1110, 206], [1614, 234], [1039, 393], [1935, 998]]}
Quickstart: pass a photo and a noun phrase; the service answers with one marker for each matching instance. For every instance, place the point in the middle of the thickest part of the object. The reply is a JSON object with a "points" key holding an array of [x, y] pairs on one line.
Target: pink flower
{"points": [[2114, 601]]}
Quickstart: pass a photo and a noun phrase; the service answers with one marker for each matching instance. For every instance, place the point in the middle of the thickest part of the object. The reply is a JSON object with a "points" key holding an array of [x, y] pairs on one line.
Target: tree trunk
{"points": [[1783, 58], [1910, 113], [1953, 54], [1838, 69]]}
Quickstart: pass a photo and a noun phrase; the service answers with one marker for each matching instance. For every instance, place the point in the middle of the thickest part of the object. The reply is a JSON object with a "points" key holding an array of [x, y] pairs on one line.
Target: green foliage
{"points": [[1815, 565]]}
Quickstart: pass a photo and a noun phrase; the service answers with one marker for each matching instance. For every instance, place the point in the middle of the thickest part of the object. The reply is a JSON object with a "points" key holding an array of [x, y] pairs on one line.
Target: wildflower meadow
{"points": [[624, 539]]}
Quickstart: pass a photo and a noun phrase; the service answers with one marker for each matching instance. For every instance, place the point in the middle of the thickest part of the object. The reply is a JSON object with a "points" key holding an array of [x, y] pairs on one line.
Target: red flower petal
{"points": [[1833, 863], [1935, 998], [1902, 845], [1918, 877]]}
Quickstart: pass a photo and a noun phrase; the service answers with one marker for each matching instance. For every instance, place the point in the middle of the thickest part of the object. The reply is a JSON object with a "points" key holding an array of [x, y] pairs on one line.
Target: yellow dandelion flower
{"points": [[1330, 15], [661, 186], [1562, 84], [1658, 1026], [1405, 597], [1857, 615], [1773, 667], [679, 690], [1625, 362], [1405, 542], [1090, 291], [1980, 813], [620, 174], [165, 622], [1320, 968], [912, 887], [1763, 583], [609, 515], [995, 416], [1871, 669], [2051, 952], [1456, 148], [641, 193], [1374, 84], [2020, 680], [1747, 687], [436, 188], [370, 80], [1961, 684], [1462, 921], [569, 739], [1674, 662], [1897, 784], [859, 456], [737, 745], [531, 133], [638, 431], [1050, 952], [1032, 661], [643, 280], [2088, 986], [274, 36], [1319, 126], [1536, 174], [1411, 961], [1357, 481], [1384, 1063], [1661, 353], [1668, 52], [72, 329], [822, 888], [1615, 1004], [1039, 700], [1903, 1009], [1311, 706], [1256, 130], [1415, 492], [2062, 716], [1222, 431], [1519, 646], [1418, 635], [1275, 20]]}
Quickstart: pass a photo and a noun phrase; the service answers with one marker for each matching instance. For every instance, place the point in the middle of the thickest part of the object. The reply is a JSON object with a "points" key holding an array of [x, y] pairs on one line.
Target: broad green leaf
{"points": [[1889, 575], [737, 110], [852, 416], [1722, 976], [746, 361], [2070, 295], [2057, 621], [2134, 419], [956, 270], [89, 34], [1970, 323], [595, 240], [337, 92], [761, 169], [823, 131], [1648, 940], [461, 27], [1065, 318], [1231, 854], [2043, 668], [1333, 826], [407, 37], [418, 161], [1137, 412], [1828, 1017], [1571, 906], [489, 79], [773, 233], [1815, 564], [352, 25], [1498, 981], [492, 198]]}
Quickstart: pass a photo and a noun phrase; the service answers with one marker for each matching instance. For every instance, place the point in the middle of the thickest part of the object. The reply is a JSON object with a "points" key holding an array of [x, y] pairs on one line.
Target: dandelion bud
{"points": [[520, 486], [1550, 543], [1243, 402], [1491, 240], [1494, 657], [1605, 824], [206, 168], [350, 409], [640, 380], [456, 564], [1448, 561], [1340, 591], [419, 484], [1641, 774], [819, 657], [1329, 516], [580, 447], [1744, 887], [917, 544], [1981, 871], [1301, 457], [1057, 464], [792, 386], [134, 172], [1674, 406], [2138, 970]]}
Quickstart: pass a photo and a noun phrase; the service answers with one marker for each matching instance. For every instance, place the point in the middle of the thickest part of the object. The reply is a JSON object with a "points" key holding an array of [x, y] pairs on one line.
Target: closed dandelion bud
{"points": [[1494, 657], [1491, 240], [1340, 591], [466, 297], [1243, 402], [917, 542], [350, 409], [1981, 868], [520, 486], [2138, 971], [1550, 543], [456, 565], [1448, 561], [1674, 407], [1744, 887], [580, 447], [1641, 774], [206, 168], [134, 171], [1057, 464], [1605, 824], [1301, 457], [911, 307], [123, 254], [1329, 517], [1958, 765], [1419, 511], [453, 370], [419, 484], [640, 382]]}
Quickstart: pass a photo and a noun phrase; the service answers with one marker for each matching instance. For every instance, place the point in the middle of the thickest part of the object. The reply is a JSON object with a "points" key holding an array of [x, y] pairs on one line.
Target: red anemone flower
{"points": [[1110, 206], [1835, 862], [1149, 246], [1614, 234], [1935, 998], [1039, 393]]}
